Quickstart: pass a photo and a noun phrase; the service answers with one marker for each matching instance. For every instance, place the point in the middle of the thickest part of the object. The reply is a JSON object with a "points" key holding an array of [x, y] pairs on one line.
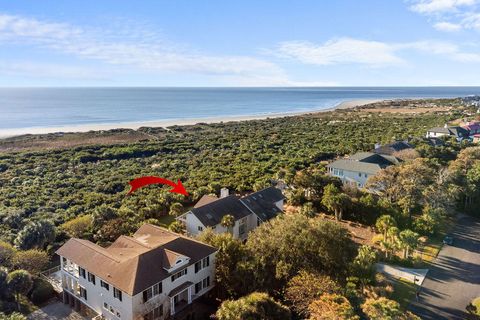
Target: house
{"points": [[248, 212], [458, 132], [392, 148], [473, 127], [152, 275], [359, 167]]}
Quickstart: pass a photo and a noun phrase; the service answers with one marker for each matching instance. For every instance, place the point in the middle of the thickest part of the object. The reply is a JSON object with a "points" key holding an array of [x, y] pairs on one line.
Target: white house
{"points": [[359, 167], [458, 132], [248, 212], [152, 275]]}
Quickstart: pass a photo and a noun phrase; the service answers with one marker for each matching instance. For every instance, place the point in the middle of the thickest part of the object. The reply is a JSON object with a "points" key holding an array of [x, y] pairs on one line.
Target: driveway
{"points": [[55, 311], [454, 279]]}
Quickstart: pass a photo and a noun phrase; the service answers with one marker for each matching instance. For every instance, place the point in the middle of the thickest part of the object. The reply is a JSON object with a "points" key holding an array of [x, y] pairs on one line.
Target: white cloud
{"points": [[370, 53], [49, 70], [140, 49], [471, 20], [447, 26], [440, 6], [341, 51]]}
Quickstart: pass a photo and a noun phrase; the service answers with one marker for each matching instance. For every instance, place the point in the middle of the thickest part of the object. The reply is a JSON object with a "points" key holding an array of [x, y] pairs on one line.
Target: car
{"points": [[448, 240]]}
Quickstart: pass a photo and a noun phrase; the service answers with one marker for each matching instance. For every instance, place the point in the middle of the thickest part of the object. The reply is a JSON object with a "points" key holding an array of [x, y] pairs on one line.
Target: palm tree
{"points": [[19, 282], [334, 200], [384, 223], [408, 240], [228, 221]]}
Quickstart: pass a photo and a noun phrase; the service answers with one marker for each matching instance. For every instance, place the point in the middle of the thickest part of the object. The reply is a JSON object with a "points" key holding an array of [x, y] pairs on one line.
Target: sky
{"points": [[214, 43]]}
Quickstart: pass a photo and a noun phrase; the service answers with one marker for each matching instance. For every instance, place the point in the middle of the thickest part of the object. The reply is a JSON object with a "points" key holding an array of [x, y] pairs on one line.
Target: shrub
{"points": [[42, 291]]}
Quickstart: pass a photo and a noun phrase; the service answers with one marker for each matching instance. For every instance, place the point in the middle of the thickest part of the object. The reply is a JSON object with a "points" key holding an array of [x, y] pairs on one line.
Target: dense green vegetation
{"points": [[299, 261], [62, 184]]}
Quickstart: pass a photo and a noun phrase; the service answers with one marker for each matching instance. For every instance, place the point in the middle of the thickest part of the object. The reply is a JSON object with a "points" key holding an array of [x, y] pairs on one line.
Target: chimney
{"points": [[377, 145], [446, 125], [224, 192]]}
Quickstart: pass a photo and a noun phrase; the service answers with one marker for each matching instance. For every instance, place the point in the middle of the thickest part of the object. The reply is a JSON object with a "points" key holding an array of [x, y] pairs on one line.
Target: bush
{"points": [[42, 291], [474, 307]]}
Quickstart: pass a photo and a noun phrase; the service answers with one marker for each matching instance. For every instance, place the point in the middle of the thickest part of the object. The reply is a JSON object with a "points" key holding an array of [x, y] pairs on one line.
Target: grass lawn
{"points": [[403, 292], [432, 247]]}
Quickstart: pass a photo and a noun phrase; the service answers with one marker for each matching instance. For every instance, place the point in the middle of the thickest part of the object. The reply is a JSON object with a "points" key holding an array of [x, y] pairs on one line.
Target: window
{"points": [[105, 305], [64, 260], [359, 174], [152, 291], [206, 262], [155, 314], [259, 221], [198, 287], [118, 314], [91, 278], [105, 285], [81, 271], [242, 228], [206, 282], [200, 228], [179, 274], [147, 294], [117, 294], [83, 293]]}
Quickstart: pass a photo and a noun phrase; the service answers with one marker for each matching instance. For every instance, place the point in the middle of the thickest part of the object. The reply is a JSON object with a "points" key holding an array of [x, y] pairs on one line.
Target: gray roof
{"points": [[212, 213], [366, 162], [262, 203], [451, 131], [393, 147]]}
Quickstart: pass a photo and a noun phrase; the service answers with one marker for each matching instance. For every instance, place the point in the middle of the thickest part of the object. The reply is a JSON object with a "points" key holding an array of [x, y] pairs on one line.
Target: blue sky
{"points": [[239, 43]]}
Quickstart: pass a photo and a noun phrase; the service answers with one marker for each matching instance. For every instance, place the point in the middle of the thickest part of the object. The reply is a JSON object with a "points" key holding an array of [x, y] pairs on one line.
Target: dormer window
{"points": [[179, 274]]}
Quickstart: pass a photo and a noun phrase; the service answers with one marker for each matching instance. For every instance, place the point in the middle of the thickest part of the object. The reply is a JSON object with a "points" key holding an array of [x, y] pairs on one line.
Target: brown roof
{"points": [[206, 199], [127, 263]]}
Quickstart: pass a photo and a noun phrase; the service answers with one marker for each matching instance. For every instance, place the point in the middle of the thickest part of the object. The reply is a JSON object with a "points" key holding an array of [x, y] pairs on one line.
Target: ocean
{"points": [[54, 107]]}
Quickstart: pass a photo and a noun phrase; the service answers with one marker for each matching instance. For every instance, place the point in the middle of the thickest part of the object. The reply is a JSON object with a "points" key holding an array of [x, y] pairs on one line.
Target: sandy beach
{"points": [[5, 133]]}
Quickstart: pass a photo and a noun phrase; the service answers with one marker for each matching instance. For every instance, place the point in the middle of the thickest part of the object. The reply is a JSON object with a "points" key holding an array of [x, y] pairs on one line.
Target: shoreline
{"points": [[14, 132]]}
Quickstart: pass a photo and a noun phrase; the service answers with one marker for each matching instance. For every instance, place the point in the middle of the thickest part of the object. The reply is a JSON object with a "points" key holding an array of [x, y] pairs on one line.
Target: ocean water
{"points": [[53, 107]]}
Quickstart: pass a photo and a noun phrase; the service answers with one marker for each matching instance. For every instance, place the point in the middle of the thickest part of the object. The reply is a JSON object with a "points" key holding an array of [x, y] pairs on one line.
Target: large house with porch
{"points": [[248, 212], [357, 168], [152, 275]]}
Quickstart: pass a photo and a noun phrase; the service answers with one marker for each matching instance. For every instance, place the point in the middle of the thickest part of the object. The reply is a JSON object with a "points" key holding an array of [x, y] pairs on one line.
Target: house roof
{"points": [[212, 213], [451, 131], [262, 203], [391, 148], [366, 162], [127, 263], [206, 199]]}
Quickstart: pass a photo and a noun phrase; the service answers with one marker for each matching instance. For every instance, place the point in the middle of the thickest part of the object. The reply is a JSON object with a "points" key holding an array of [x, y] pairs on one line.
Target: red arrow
{"points": [[145, 181]]}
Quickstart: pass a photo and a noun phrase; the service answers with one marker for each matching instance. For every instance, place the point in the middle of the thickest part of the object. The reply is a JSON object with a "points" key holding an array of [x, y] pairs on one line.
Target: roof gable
{"points": [[128, 263]]}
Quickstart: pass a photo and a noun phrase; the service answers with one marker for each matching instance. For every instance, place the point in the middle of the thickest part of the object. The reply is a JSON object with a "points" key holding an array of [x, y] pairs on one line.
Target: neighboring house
{"points": [[458, 132], [152, 275], [248, 212], [359, 167], [473, 127], [392, 148]]}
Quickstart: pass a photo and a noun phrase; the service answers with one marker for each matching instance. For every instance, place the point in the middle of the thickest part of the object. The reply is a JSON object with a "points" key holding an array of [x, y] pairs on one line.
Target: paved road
{"points": [[454, 279]]}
